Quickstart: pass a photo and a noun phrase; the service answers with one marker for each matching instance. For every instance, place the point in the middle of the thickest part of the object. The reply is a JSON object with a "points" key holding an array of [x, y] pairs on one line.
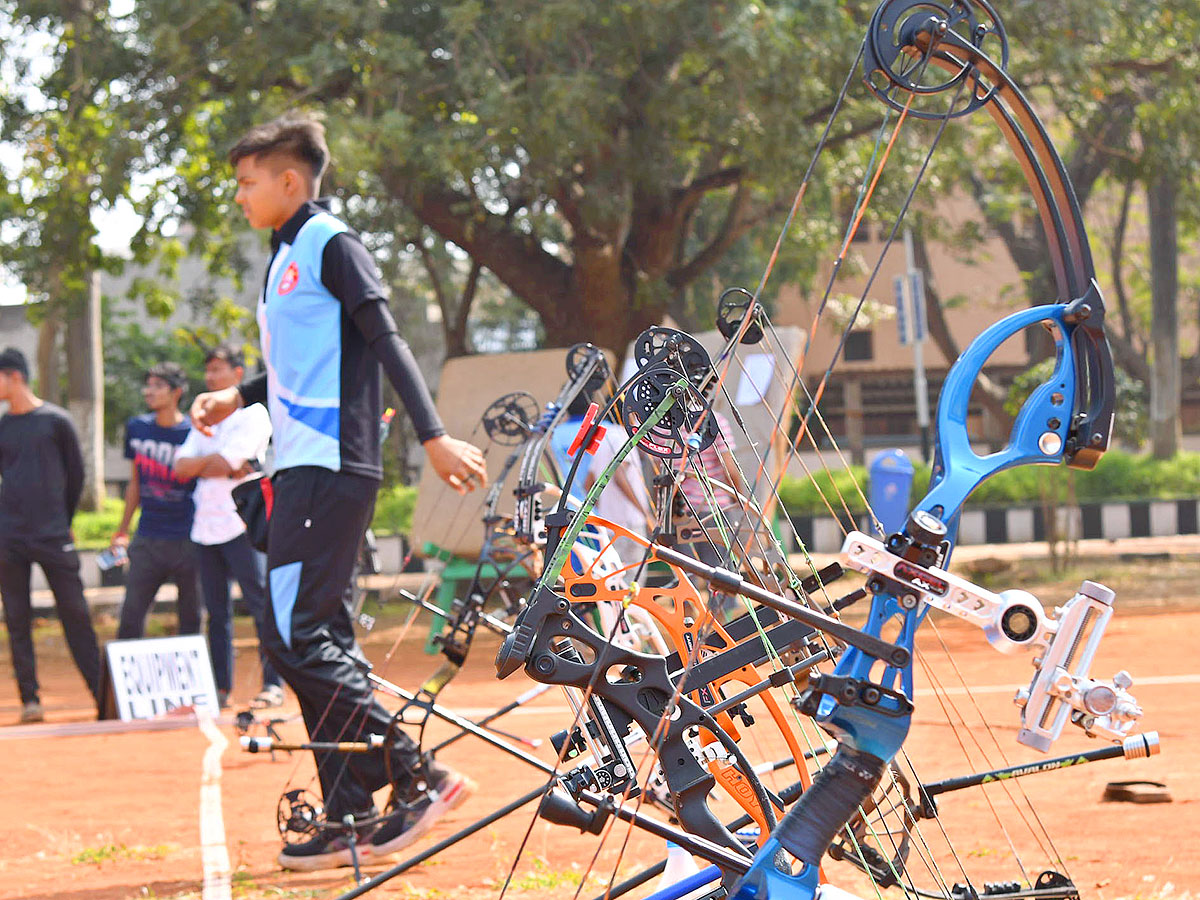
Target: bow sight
{"points": [[1015, 621]]}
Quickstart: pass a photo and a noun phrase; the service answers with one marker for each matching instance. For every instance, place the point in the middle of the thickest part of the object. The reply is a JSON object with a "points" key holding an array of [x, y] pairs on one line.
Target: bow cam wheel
{"points": [[509, 420], [299, 816], [928, 48], [578, 358], [675, 349], [731, 312], [668, 438]]}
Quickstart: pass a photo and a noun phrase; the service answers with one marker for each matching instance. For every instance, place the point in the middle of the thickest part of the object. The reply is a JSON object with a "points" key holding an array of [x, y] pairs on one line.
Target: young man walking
{"points": [[162, 549], [236, 447], [41, 481], [326, 333]]}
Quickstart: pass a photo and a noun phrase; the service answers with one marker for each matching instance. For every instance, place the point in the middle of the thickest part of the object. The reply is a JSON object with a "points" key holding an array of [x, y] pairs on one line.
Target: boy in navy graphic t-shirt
{"points": [[162, 549]]}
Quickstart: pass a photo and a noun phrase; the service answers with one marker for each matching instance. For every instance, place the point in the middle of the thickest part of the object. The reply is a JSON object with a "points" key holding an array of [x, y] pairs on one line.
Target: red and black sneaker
{"points": [[407, 824], [330, 849]]}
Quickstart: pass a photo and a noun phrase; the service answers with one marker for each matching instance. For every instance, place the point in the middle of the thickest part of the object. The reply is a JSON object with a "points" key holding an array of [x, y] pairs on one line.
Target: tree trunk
{"points": [[85, 391], [1165, 375], [49, 372], [991, 395], [854, 421]]}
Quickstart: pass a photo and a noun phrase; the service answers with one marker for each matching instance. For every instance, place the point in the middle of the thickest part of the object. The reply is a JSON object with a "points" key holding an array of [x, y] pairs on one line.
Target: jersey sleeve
{"points": [[349, 272], [72, 463]]}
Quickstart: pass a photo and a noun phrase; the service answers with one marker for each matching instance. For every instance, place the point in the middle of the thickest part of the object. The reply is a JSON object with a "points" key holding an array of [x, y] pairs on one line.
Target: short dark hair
{"points": [[13, 360], [230, 353], [300, 137], [170, 372]]}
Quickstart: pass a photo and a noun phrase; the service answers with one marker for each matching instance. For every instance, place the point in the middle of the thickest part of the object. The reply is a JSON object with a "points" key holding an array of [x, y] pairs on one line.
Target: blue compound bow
{"points": [[1066, 419], [914, 50]]}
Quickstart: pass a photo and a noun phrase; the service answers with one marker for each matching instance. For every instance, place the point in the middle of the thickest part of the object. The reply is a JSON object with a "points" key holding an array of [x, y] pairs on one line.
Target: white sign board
{"points": [[757, 371], [153, 676]]}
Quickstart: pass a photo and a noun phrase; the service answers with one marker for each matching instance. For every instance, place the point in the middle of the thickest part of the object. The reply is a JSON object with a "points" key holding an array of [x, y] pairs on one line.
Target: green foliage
{"points": [[129, 350], [804, 496], [543, 140], [93, 530], [1118, 476], [1132, 421], [394, 510]]}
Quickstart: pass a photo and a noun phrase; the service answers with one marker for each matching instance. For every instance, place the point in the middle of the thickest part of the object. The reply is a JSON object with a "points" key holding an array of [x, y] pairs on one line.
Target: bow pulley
{"points": [[731, 313], [509, 420], [903, 33], [678, 349], [299, 817], [579, 357], [689, 421]]}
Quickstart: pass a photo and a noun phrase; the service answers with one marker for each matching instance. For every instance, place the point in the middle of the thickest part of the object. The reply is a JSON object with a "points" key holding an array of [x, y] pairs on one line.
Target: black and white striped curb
{"points": [[1019, 524]]}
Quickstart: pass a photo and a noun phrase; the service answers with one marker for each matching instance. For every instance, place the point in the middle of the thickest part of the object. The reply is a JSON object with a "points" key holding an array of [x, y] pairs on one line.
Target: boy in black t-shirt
{"points": [[162, 549], [41, 480]]}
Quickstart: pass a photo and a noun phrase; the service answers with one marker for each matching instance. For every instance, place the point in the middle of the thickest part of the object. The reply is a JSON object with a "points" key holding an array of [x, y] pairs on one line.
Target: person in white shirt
{"points": [[626, 502], [235, 449]]}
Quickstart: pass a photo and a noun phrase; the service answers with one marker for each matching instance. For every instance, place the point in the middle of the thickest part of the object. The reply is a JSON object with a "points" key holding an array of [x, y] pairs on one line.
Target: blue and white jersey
{"points": [[323, 383], [300, 321]]}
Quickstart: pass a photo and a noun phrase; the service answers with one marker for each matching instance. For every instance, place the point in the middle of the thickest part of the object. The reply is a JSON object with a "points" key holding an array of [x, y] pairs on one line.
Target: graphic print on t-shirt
{"points": [[291, 276], [166, 501]]}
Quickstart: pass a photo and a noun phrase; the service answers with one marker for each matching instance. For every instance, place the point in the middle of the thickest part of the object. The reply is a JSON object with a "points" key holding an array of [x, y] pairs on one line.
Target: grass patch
{"points": [[93, 530], [95, 856], [542, 877], [394, 510]]}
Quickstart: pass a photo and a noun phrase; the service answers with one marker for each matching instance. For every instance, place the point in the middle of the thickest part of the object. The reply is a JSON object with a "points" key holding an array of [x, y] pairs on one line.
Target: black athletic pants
{"points": [[316, 527], [60, 563], [152, 563], [218, 563]]}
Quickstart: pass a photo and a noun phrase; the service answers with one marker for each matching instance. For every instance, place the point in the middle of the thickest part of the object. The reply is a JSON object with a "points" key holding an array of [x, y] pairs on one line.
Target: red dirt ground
{"points": [[114, 816]]}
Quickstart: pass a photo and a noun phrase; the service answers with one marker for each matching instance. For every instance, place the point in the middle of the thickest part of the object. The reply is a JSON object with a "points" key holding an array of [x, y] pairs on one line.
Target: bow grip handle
{"points": [[837, 791]]}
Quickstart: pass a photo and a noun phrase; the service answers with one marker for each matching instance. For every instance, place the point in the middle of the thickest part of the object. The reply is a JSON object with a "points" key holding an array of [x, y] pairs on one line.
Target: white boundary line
{"points": [[214, 855]]}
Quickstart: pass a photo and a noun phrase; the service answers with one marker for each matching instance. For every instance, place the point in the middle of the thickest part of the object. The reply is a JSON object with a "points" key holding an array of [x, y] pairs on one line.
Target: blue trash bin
{"points": [[891, 477]]}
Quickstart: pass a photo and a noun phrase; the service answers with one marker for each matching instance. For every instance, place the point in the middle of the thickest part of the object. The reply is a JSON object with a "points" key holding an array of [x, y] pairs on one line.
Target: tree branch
{"points": [[537, 277], [1117, 253], [732, 228]]}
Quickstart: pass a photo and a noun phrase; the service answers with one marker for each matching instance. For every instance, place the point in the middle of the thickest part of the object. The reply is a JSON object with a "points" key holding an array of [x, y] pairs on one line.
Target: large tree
{"points": [[567, 148], [73, 152]]}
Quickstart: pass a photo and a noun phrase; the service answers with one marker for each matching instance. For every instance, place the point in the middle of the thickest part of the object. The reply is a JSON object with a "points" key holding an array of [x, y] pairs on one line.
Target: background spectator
{"points": [[221, 460], [162, 549], [41, 468]]}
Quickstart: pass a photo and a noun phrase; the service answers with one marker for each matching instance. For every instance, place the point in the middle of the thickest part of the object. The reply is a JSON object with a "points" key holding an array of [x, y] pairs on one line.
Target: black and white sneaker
{"points": [[408, 823], [330, 849]]}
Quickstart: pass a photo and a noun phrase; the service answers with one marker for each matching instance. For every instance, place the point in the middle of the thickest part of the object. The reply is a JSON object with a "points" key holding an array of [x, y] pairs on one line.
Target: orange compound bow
{"points": [[733, 653]]}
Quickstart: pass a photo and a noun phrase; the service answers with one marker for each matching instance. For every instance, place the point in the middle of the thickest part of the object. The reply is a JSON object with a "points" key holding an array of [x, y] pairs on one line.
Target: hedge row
{"points": [[393, 514], [1119, 476]]}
